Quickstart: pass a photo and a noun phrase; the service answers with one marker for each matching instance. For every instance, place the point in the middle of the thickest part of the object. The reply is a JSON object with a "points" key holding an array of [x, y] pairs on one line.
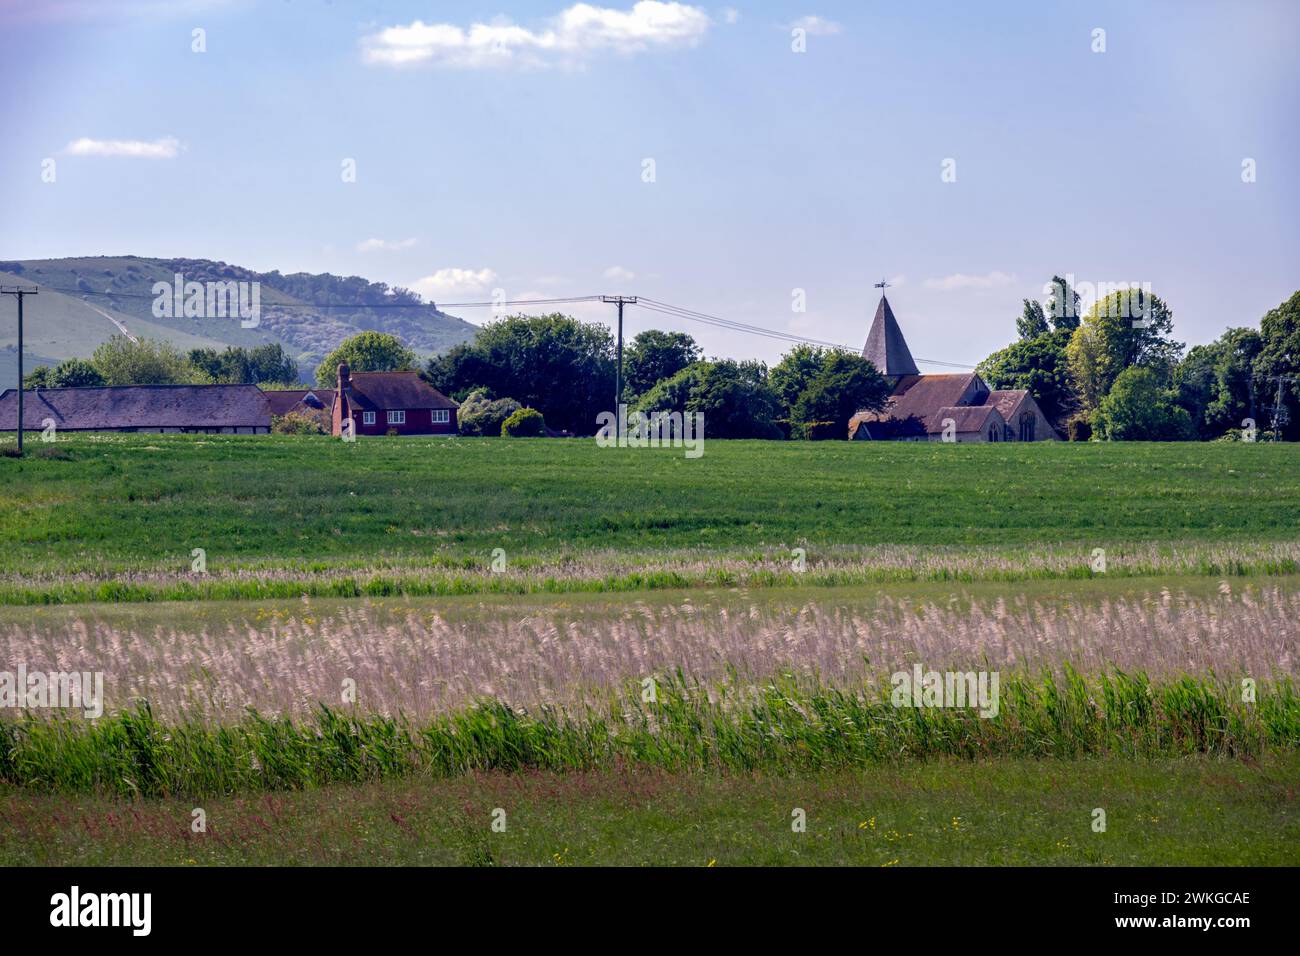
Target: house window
{"points": [[397, 418], [367, 418], [993, 433], [441, 416]]}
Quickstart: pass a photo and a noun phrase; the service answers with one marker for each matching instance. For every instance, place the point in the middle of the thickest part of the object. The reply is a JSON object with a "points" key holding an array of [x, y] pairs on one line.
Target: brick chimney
{"points": [[344, 383]]}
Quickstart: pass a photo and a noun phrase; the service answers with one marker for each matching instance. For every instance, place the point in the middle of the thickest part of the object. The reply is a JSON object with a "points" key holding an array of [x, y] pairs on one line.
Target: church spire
{"points": [[886, 347]]}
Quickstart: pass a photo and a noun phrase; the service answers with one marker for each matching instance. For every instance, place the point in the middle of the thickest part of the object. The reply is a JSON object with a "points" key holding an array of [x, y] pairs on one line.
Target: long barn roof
{"points": [[138, 406]]}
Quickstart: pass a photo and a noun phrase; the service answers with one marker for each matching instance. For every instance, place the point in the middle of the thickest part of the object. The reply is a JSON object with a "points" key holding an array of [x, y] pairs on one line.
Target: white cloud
{"points": [[619, 274], [959, 281], [568, 38], [815, 26], [448, 281], [384, 245], [166, 148]]}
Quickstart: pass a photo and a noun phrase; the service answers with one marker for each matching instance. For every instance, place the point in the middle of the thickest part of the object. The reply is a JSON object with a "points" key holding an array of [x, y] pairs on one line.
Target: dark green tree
{"points": [[1216, 382], [1139, 407], [1039, 365], [653, 356], [845, 385], [553, 363], [1278, 365]]}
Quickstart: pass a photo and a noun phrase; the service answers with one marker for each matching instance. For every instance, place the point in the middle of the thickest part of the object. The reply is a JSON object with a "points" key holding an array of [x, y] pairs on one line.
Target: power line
{"points": [[357, 307], [653, 305]]}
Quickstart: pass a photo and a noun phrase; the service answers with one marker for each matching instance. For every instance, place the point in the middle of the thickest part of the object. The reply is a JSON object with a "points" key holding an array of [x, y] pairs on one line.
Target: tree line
{"points": [[1116, 372]]}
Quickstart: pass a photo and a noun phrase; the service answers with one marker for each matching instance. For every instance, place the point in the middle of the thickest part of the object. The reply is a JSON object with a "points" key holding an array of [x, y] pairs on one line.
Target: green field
{"points": [[312, 515], [520, 685], [1190, 812]]}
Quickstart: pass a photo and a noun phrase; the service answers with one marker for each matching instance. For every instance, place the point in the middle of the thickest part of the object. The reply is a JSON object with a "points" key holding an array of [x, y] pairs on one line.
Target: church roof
{"points": [[886, 347]]}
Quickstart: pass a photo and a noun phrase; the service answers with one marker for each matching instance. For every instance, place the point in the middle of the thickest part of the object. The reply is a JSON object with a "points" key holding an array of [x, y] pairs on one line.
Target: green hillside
{"points": [[84, 301]]}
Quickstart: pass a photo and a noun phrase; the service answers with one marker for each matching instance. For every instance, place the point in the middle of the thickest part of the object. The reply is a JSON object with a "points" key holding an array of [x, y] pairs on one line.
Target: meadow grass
{"points": [[1188, 811], [116, 517], [790, 725]]}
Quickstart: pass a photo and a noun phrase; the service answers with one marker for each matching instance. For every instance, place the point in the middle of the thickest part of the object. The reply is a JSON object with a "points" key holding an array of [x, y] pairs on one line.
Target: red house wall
{"points": [[419, 421]]}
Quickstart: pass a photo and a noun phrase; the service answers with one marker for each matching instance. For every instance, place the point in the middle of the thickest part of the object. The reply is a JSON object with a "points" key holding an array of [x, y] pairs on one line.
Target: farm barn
{"points": [[923, 406], [383, 402], [214, 409]]}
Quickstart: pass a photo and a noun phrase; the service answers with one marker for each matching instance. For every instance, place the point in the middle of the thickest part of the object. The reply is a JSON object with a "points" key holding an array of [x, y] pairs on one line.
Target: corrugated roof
{"points": [[886, 347], [138, 406]]}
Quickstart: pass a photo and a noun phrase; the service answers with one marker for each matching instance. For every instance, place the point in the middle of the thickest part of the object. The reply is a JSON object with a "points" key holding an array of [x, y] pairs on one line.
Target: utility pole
{"points": [[18, 292], [620, 301]]}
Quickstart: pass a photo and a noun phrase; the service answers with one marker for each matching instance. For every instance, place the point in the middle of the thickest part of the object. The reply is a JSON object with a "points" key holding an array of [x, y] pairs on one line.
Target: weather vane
{"points": [[882, 284]]}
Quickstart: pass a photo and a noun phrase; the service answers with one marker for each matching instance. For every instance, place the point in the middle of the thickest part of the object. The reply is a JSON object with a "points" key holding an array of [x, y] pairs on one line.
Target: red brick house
{"points": [[383, 402]]}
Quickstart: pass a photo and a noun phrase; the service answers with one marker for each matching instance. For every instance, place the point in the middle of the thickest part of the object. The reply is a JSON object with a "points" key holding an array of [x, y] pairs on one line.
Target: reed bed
{"points": [[785, 726], [424, 660]]}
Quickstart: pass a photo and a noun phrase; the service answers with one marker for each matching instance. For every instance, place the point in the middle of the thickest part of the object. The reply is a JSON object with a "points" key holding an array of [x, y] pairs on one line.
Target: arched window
{"points": [[1027, 423]]}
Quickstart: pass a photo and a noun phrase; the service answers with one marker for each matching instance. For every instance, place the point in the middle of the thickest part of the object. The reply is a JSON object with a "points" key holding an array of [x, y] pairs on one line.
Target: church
{"points": [[958, 407]]}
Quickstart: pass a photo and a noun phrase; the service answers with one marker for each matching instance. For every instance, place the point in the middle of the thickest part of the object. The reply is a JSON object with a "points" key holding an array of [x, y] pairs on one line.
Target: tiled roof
{"points": [[1007, 401], [965, 418], [385, 390], [917, 397], [138, 406], [886, 347], [285, 400]]}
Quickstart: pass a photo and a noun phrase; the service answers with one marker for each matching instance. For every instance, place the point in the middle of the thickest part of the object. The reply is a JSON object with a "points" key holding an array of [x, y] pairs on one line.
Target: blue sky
{"points": [[511, 155]]}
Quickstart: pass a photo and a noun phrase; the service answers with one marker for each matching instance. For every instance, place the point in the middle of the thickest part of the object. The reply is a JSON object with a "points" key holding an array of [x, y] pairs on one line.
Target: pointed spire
{"points": [[886, 347]]}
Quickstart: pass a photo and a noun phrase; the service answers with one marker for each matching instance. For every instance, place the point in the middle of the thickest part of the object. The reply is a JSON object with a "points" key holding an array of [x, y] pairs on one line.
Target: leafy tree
{"points": [[1063, 306], [792, 375], [524, 423], [1039, 365], [845, 385], [147, 362], [735, 398], [1215, 382], [365, 352], [70, 373], [1124, 329], [481, 415], [1032, 322], [1280, 356], [1139, 408], [553, 363], [654, 356], [674, 393], [237, 365]]}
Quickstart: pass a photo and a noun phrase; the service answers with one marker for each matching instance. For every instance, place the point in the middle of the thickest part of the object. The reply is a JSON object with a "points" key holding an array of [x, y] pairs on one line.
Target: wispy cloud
{"points": [[384, 245], [567, 39], [960, 281], [815, 26], [168, 147], [730, 15], [619, 274], [453, 281]]}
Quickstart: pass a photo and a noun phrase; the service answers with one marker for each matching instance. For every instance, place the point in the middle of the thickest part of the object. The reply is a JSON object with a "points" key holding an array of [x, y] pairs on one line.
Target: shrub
{"points": [[1079, 428], [481, 415], [296, 423], [523, 423]]}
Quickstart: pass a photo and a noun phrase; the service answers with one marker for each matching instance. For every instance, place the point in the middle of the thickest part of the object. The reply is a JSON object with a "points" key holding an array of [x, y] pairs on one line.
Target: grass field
{"points": [[117, 517], [1190, 812], [522, 686]]}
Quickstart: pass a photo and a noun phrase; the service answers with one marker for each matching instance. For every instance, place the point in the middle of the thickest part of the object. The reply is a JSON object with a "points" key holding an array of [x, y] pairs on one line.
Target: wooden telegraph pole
{"points": [[19, 292]]}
